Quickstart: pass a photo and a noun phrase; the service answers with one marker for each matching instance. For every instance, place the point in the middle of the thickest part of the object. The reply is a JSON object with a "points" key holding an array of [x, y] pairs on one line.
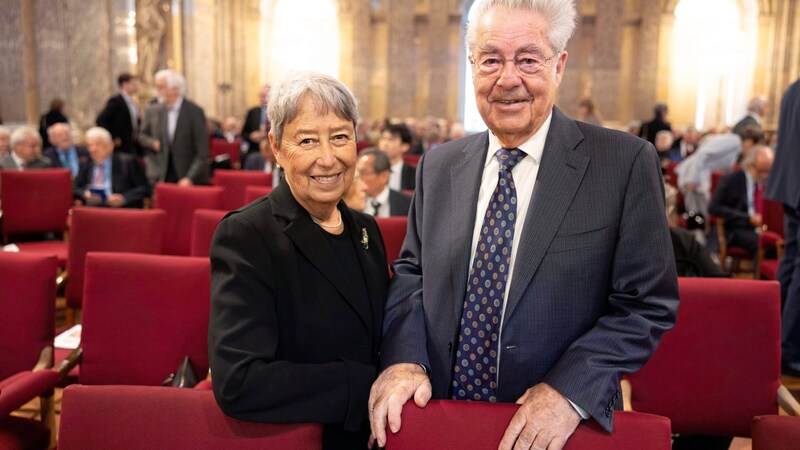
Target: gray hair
{"points": [[173, 79], [19, 135], [756, 105], [52, 128], [99, 132], [380, 162], [327, 93], [560, 14]]}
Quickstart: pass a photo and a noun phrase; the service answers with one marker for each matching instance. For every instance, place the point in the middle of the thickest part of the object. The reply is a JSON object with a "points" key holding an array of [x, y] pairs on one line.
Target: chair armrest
{"points": [[45, 359], [72, 360], [21, 387], [787, 401], [769, 239]]}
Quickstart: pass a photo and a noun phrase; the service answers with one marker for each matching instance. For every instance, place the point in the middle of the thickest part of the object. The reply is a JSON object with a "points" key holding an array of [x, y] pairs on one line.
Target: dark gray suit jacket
{"points": [[189, 148], [594, 285], [784, 182], [7, 163]]}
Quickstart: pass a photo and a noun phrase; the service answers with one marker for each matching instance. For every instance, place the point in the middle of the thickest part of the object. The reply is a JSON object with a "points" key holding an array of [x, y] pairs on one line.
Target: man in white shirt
{"points": [[382, 201], [26, 151], [395, 142]]}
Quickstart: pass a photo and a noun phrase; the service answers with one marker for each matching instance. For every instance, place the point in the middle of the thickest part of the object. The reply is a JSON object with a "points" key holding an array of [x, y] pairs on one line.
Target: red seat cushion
{"points": [[57, 248], [21, 433]]}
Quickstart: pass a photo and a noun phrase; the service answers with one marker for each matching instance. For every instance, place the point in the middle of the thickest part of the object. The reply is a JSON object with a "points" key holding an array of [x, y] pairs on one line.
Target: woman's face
{"points": [[318, 155]]}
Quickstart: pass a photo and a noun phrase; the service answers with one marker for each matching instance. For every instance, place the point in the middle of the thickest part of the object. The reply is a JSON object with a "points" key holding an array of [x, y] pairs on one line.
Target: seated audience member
{"points": [[5, 141], [395, 142], [26, 151], [264, 161], [739, 198], [53, 116], [692, 258], [684, 146], [716, 153], [299, 279], [63, 152], [108, 178], [374, 169], [664, 140], [230, 129]]}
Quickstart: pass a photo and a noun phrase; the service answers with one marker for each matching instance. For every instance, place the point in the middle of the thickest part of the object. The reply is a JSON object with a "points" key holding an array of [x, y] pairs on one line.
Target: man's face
{"points": [[374, 182], [99, 149], [514, 105], [161, 88], [171, 95], [130, 87], [393, 146], [29, 149], [60, 137]]}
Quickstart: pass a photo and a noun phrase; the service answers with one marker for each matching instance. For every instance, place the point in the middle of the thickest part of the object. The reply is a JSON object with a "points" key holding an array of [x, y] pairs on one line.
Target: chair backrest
{"points": [[773, 216], [180, 204], [235, 182], [142, 314], [136, 417], [776, 433], [27, 302], [393, 230], [109, 230], [35, 201], [255, 192], [204, 224], [411, 160], [720, 366], [480, 425], [221, 146]]}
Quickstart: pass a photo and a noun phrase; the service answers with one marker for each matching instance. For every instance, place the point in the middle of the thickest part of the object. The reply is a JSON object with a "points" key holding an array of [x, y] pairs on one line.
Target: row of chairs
{"points": [[715, 371]]}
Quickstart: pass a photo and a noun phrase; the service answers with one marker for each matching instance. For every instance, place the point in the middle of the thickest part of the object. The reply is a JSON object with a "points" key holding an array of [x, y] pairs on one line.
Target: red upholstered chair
{"points": [[142, 315], [27, 301], [768, 268], [36, 201], [411, 160], [108, 230], [393, 230], [252, 193], [204, 224], [235, 182], [219, 147], [157, 417], [180, 204], [720, 366], [454, 424], [776, 433]]}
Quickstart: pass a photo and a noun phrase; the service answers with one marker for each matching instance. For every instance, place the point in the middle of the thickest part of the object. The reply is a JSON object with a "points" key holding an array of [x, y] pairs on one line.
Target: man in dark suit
{"points": [[659, 123], [395, 142], [26, 151], [572, 280], [64, 153], [264, 161], [109, 178], [756, 108], [121, 116], [739, 198], [784, 187], [256, 125], [175, 134], [374, 170]]}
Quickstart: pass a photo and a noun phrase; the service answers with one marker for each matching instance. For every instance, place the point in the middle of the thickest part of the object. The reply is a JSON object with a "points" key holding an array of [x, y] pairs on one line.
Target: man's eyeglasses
{"points": [[525, 64]]}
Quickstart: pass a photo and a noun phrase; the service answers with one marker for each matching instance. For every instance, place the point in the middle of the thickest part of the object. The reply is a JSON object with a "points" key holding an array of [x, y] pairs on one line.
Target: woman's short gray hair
{"points": [[327, 93], [560, 14], [99, 132]]}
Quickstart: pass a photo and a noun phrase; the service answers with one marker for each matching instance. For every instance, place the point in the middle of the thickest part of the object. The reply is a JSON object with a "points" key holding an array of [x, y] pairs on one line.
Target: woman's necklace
{"points": [[319, 222]]}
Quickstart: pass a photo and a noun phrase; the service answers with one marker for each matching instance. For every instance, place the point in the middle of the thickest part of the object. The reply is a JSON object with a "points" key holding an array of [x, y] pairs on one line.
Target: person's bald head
{"points": [[59, 135], [758, 162]]}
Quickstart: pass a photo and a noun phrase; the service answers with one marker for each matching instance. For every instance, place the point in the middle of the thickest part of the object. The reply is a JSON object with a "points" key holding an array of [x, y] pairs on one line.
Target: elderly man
{"points": [[63, 152], [374, 170], [121, 116], [756, 108], [110, 178], [175, 135], [26, 151], [537, 267]]}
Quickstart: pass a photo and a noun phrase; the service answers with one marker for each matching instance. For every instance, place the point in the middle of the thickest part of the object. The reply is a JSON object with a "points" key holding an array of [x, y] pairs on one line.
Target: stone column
{"points": [[645, 77], [357, 39], [607, 56], [440, 58], [401, 73], [200, 21]]}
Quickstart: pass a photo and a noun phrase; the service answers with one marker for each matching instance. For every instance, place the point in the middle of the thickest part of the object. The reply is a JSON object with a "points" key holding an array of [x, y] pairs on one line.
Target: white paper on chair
{"points": [[10, 248], [70, 339]]}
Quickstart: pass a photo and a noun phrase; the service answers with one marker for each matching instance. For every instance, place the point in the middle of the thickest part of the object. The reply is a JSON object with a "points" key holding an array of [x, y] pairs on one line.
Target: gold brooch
{"points": [[364, 239]]}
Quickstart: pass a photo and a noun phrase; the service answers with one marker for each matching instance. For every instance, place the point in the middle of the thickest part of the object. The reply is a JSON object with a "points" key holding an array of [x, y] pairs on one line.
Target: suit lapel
{"points": [[560, 174], [308, 238], [465, 181]]}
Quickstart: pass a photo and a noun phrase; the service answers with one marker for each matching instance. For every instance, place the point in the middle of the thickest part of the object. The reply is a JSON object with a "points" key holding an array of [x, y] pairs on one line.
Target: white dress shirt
{"points": [[382, 198], [172, 118], [18, 161]]}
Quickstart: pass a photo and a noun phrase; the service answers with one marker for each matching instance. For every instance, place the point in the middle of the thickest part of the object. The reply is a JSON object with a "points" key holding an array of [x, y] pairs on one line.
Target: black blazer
{"points": [[55, 161], [408, 179], [127, 178], [288, 339], [730, 203], [116, 118], [399, 203], [252, 122]]}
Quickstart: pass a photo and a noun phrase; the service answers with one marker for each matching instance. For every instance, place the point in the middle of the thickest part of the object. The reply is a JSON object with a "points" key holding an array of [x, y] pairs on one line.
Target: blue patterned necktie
{"points": [[475, 371]]}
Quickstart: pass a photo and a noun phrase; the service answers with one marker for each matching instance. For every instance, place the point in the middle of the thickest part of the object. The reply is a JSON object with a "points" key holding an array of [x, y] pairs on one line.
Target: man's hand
{"points": [[691, 187], [756, 220], [185, 182], [390, 392], [156, 146], [115, 200], [544, 421]]}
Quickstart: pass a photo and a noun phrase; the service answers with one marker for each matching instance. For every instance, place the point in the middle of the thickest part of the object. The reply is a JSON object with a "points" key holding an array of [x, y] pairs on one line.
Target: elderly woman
{"points": [[299, 279]]}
